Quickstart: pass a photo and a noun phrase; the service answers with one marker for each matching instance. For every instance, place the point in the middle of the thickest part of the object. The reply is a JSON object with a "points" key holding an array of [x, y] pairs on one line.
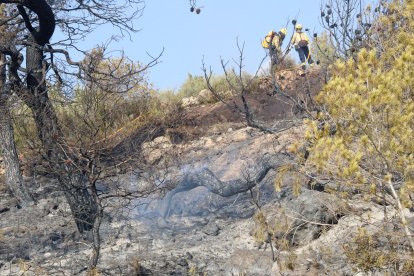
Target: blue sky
{"points": [[187, 37]]}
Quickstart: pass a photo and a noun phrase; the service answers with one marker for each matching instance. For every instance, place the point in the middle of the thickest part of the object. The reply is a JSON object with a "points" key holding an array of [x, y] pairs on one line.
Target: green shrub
{"points": [[192, 86], [225, 86]]}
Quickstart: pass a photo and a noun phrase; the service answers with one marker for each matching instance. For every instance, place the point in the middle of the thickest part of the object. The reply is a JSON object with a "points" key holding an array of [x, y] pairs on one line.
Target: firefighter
{"points": [[300, 41], [273, 42]]}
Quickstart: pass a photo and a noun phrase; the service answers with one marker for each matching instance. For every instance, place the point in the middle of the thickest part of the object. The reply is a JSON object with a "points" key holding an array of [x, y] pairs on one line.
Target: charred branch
{"points": [[45, 15], [241, 87]]}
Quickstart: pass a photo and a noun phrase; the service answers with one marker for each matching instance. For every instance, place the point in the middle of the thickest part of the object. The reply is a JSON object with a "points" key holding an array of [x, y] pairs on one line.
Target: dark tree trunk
{"points": [[14, 179], [96, 236], [63, 162]]}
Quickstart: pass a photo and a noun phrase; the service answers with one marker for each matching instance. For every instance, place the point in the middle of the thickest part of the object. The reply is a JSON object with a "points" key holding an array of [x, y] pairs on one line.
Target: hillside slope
{"points": [[199, 229]]}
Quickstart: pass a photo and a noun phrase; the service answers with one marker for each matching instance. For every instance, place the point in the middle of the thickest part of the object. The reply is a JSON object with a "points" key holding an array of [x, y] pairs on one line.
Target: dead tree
{"points": [[37, 21], [77, 164], [34, 93], [14, 179], [349, 26]]}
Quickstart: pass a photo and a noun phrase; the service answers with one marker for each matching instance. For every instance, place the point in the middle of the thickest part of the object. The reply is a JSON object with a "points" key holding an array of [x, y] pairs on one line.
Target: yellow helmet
{"points": [[298, 27], [283, 31], [271, 33]]}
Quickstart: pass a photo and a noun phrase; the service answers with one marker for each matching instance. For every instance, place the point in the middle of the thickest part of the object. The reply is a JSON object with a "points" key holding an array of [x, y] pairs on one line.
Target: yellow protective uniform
{"points": [[297, 37], [276, 42]]}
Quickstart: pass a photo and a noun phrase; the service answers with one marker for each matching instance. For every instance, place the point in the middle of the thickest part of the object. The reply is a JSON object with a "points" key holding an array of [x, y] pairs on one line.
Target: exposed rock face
{"points": [[207, 230], [203, 224], [211, 229], [303, 218], [206, 178], [205, 95], [250, 262], [154, 150], [190, 101]]}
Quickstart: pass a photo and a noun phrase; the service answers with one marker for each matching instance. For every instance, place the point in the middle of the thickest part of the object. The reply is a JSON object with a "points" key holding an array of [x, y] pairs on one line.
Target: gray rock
{"points": [[250, 262], [54, 237], [189, 101], [211, 229], [188, 256], [308, 215], [182, 262]]}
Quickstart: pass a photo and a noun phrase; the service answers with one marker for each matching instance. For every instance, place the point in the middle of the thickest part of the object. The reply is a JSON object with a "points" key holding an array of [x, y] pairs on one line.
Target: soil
{"points": [[264, 105], [206, 233]]}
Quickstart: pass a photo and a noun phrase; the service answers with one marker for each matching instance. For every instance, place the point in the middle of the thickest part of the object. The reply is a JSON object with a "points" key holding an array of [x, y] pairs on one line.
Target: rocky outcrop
{"points": [[251, 262], [156, 149], [303, 218], [205, 96], [206, 178], [210, 226], [189, 101]]}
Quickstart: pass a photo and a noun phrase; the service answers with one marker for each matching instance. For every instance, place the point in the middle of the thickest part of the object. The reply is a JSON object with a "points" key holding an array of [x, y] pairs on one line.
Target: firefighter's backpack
{"points": [[268, 39], [302, 42]]}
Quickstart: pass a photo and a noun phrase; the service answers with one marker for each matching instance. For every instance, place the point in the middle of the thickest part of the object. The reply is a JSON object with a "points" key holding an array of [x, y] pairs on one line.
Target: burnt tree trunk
{"points": [[14, 179], [63, 162]]}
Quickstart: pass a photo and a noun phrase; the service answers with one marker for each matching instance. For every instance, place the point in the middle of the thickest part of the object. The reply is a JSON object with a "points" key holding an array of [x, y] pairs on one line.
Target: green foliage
{"points": [[101, 112], [370, 101], [97, 109], [222, 84], [25, 133], [192, 86], [168, 97], [363, 139], [93, 115]]}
